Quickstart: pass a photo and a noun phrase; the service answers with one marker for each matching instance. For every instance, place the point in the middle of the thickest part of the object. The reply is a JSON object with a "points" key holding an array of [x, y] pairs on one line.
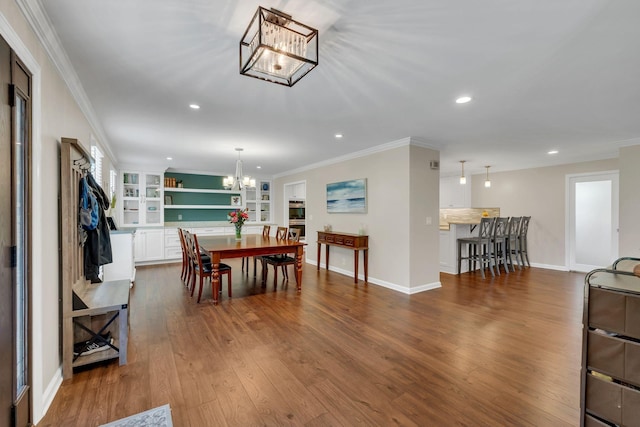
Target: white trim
{"points": [[628, 142], [550, 267], [39, 22], [37, 213], [373, 281], [362, 153], [50, 392]]}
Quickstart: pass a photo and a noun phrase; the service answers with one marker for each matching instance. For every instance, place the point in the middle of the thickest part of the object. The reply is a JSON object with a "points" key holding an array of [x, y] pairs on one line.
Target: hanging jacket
{"points": [[97, 248]]}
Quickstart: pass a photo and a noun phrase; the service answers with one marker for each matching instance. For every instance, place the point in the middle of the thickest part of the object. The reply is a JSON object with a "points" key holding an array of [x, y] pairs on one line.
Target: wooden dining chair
{"points": [[185, 257], [204, 269], [281, 260], [266, 230]]}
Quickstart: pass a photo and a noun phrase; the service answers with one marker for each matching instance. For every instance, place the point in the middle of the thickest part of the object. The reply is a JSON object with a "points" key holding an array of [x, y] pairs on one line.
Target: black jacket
{"points": [[97, 248]]}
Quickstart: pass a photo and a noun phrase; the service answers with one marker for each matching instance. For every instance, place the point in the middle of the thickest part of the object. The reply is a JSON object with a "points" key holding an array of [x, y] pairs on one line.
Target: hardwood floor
{"points": [[495, 352]]}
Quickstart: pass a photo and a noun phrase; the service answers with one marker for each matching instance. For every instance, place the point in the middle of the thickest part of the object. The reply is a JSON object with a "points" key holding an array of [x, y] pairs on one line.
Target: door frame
{"points": [[43, 389], [570, 209]]}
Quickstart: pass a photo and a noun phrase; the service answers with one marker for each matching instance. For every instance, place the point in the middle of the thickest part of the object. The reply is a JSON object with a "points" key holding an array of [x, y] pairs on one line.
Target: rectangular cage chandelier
{"points": [[278, 49]]}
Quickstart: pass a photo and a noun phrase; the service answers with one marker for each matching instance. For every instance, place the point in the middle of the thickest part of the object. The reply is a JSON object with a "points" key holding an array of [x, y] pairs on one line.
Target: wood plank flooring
{"points": [[495, 352]]}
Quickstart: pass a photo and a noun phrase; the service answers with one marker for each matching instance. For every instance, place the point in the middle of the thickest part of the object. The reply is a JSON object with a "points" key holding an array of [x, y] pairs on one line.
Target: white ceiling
{"points": [[543, 74]]}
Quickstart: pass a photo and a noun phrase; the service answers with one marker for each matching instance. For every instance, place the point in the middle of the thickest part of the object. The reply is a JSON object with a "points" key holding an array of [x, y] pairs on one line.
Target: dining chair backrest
{"points": [[188, 244], [195, 248], [486, 227], [266, 229], [294, 234], [281, 233]]}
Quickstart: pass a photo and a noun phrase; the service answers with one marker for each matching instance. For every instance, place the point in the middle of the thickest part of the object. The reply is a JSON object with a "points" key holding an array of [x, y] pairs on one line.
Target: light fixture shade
{"points": [[487, 182], [278, 49], [463, 179]]}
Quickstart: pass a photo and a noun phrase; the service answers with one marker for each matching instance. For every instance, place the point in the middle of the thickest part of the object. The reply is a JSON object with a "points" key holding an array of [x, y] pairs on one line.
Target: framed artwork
{"points": [[236, 200], [347, 196], [168, 200]]}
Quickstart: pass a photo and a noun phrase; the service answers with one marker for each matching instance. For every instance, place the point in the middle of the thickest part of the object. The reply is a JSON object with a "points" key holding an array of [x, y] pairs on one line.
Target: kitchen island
{"points": [[455, 224]]}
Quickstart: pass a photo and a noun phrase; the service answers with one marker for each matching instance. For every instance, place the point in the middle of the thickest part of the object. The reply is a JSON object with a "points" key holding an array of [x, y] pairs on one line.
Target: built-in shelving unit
{"points": [[198, 197], [258, 202]]}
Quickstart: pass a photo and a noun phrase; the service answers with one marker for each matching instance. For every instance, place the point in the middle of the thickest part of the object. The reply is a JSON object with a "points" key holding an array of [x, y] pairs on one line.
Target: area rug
{"points": [[156, 417]]}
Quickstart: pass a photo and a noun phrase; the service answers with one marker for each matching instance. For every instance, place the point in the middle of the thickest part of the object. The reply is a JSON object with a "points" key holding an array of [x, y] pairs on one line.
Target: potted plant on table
{"points": [[237, 218]]}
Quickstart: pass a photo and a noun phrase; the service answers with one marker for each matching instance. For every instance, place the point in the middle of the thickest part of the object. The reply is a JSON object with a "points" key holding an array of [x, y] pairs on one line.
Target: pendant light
{"points": [[487, 182], [463, 179], [240, 181]]}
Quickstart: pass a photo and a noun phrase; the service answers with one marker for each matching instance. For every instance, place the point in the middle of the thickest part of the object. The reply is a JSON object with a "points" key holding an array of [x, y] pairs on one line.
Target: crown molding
{"points": [[362, 153], [39, 21]]}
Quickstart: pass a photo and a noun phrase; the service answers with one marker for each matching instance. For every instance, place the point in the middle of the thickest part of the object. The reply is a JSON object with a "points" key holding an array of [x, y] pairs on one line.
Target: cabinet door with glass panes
{"points": [[258, 201], [141, 195]]}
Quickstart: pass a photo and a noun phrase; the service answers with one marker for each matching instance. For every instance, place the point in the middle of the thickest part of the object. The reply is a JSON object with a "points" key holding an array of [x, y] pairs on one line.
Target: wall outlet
{"points": [[344, 261], [179, 217]]}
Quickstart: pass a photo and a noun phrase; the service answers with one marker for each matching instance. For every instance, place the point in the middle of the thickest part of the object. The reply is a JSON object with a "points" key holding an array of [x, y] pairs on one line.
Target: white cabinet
{"points": [[142, 198], [172, 246], [123, 265], [298, 191], [453, 194], [258, 202], [149, 245]]}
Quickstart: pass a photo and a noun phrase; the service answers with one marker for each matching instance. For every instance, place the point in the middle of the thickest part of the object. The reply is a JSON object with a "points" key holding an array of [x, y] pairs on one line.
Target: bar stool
{"points": [[522, 237], [500, 244], [479, 247], [513, 242]]}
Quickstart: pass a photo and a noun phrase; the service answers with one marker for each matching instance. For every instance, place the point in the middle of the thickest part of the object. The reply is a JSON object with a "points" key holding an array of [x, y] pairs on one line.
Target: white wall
{"points": [[539, 193], [629, 236], [55, 114], [389, 220]]}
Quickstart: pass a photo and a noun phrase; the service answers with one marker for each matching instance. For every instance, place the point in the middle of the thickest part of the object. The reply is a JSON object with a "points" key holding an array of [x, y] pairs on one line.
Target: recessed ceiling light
{"points": [[463, 100], [169, 158], [194, 106], [338, 135], [552, 152], [258, 167]]}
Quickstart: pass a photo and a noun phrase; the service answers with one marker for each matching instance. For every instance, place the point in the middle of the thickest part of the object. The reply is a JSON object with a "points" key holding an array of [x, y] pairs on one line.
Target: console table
{"points": [[356, 242]]}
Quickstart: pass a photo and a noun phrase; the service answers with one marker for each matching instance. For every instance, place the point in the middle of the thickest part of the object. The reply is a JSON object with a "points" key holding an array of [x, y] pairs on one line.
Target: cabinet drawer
{"points": [[614, 312], [171, 240], [589, 421], [171, 232], [613, 402], [349, 241], [172, 253], [210, 231], [614, 356]]}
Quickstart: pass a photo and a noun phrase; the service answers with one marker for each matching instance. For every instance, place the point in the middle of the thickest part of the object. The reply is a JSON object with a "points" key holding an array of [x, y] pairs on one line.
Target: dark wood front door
{"points": [[15, 143]]}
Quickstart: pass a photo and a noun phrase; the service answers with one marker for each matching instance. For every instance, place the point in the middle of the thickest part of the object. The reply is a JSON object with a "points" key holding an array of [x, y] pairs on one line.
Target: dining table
{"points": [[221, 247]]}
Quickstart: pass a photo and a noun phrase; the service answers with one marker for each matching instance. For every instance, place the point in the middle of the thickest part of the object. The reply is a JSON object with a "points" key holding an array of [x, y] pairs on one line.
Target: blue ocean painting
{"points": [[347, 196]]}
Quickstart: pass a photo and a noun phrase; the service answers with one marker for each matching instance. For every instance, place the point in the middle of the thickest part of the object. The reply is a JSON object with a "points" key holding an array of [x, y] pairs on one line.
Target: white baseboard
{"points": [[49, 394], [384, 284], [550, 266]]}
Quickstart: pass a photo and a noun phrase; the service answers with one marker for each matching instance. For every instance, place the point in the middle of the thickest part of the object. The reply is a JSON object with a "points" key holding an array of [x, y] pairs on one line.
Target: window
{"points": [[113, 176], [96, 167]]}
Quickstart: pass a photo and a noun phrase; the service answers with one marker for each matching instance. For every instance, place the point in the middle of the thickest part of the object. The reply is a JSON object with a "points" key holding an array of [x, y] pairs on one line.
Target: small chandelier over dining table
{"points": [[239, 181], [278, 49]]}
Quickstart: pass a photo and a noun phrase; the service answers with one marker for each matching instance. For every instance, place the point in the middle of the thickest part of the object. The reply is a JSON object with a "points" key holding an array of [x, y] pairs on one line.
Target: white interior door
{"points": [[592, 220]]}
